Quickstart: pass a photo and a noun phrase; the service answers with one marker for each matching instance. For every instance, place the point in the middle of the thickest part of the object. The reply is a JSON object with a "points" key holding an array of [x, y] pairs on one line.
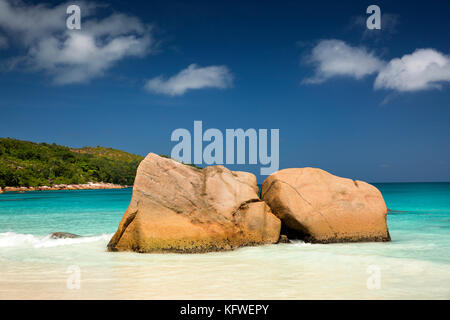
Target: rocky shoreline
{"points": [[87, 186]]}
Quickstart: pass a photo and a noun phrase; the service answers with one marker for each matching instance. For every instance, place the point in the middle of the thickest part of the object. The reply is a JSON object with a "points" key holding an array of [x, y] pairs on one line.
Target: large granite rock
{"points": [[179, 208], [317, 206]]}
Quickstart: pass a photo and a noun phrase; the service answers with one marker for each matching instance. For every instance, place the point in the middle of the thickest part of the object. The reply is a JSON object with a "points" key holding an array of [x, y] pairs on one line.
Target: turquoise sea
{"points": [[415, 265]]}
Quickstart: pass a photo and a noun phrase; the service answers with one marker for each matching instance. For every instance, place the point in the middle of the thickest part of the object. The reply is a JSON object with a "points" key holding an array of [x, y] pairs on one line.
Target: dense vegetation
{"points": [[29, 164]]}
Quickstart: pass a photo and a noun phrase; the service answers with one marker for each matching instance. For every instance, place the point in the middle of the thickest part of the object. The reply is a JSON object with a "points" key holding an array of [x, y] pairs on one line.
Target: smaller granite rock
{"points": [[319, 207]]}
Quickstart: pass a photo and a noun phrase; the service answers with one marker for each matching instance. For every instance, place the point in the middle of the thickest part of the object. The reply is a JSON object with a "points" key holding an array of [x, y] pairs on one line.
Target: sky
{"points": [[372, 105]]}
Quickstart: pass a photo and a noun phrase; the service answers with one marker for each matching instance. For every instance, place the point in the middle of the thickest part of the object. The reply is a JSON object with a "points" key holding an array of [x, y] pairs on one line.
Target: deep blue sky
{"points": [[342, 125]]}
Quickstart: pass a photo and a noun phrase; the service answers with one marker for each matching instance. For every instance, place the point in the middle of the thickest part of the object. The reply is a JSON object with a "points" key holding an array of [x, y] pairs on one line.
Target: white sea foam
{"points": [[12, 239], [300, 243]]}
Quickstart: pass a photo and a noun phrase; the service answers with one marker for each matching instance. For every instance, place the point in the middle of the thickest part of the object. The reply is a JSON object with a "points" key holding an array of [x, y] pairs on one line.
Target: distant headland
{"points": [[29, 166]]}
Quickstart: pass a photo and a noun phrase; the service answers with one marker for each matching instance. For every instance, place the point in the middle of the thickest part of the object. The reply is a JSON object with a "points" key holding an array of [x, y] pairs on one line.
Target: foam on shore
{"points": [[12, 239]]}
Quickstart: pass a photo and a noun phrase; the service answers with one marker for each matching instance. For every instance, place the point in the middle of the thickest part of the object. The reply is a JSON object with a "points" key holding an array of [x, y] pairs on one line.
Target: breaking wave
{"points": [[12, 239]]}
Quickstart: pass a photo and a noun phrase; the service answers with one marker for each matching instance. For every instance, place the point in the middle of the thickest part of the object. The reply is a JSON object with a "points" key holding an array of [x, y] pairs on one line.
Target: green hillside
{"points": [[30, 164]]}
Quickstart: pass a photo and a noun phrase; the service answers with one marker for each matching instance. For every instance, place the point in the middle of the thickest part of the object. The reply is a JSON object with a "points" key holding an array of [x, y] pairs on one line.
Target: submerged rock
{"points": [[283, 239], [63, 235], [179, 208], [317, 206]]}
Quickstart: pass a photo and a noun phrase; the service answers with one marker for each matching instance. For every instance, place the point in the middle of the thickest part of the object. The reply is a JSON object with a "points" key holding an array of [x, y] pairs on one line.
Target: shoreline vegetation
{"points": [[29, 166]]}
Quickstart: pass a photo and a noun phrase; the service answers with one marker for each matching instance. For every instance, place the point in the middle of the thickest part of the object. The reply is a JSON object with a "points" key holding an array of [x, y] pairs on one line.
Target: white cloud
{"points": [[32, 22], [72, 56], [81, 56], [191, 78], [423, 69], [334, 58]]}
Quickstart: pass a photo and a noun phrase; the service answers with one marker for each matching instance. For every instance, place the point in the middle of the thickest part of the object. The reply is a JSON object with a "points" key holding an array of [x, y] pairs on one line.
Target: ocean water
{"points": [[415, 265]]}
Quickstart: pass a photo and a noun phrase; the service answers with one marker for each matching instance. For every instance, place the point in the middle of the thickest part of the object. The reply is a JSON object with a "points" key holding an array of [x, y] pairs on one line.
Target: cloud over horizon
{"points": [[71, 56], [424, 69], [191, 78]]}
